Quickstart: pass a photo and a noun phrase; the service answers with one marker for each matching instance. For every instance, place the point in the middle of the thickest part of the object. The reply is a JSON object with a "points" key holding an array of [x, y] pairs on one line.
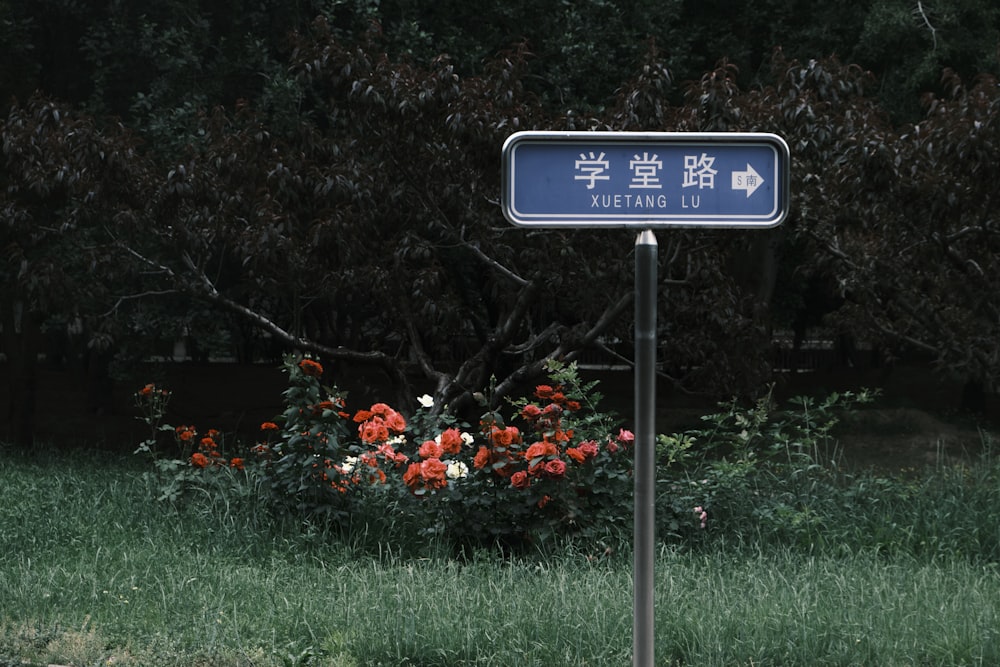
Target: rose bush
{"points": [[562, 466], [202, 462], [555, 464]]}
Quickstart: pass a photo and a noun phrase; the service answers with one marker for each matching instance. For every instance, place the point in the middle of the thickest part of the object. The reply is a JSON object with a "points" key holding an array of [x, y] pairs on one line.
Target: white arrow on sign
{"points": [[748, 180]]}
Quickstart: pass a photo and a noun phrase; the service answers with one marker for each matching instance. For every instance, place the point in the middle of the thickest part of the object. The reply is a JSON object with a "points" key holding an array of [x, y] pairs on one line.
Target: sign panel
{"points": [[646, 180]]}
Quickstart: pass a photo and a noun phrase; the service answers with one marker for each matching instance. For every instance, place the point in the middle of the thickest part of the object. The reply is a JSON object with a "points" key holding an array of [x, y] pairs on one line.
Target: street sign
{"points": [[645, 179]]}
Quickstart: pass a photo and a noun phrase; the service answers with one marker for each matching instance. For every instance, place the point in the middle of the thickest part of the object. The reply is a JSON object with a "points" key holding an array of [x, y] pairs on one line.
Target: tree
{"points": [[65, 184], [333, 237], [909, 44], [915, 243], [371, 232]]}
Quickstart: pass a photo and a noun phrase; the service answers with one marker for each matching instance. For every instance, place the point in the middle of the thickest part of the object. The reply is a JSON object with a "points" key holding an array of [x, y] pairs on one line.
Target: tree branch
{"points": [[141, 295], [564, 352], [203, 288]]}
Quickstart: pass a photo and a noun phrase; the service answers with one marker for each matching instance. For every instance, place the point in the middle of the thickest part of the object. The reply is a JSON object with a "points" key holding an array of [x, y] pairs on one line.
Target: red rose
{"points": [[481, 459], [311, 368], [373, 431], [451, 441], [589, 448], [432, 471], [430, 450], [544, 391], [531, 412], [555, 468], [381, 409], [412, 475], [520, 480], [395, 422], [391, 454], [199, 460]]}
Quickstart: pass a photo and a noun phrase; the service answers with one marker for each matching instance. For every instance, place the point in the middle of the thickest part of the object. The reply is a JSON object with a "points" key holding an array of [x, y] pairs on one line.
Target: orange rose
{"points": [[311, 368], [199, 460], [451, 441], [482, 458], [541, 449], [505, 437]]}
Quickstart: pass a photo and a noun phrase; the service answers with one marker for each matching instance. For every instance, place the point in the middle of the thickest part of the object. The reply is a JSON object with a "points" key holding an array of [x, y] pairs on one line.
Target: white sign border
{"points": [[655, 221]]}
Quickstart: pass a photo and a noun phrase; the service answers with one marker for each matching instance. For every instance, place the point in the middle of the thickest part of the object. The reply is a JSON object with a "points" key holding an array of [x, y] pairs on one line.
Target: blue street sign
{"points": [[646, 180]]}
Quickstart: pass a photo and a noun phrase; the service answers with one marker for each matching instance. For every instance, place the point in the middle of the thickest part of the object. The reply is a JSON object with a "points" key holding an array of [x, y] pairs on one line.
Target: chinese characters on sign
{"points": [[648, 180], [698, 171], [593, 169], [645, 170]]}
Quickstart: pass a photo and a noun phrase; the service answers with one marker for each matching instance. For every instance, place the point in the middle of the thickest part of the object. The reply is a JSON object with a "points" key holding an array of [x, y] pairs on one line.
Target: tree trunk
{"points": [[21, 335]]}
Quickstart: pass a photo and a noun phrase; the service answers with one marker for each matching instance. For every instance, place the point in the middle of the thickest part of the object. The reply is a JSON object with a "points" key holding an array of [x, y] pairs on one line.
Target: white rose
{"points": [[348, 465], [426, 401], [456, 470]]}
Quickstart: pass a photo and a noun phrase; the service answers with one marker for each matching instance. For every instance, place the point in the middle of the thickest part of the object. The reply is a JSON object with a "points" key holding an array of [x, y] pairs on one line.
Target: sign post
{"points": [[644, 463], [574, 180]]}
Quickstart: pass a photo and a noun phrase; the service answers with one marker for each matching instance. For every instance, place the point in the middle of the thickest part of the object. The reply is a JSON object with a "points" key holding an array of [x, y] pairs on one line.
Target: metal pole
{"points": [[644, 471]]}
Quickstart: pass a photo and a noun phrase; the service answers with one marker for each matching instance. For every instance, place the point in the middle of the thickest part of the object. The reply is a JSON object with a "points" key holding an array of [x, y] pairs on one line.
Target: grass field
{"points": [[94, 572]]}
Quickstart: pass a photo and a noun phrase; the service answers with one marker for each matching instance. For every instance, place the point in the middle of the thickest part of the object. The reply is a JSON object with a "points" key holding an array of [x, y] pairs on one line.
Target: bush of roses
{"points": [[204, 462], [556, 464]]}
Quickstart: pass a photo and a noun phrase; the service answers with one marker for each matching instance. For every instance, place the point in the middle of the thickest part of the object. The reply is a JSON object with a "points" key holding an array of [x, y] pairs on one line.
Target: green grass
{"points": [[94, 572]]}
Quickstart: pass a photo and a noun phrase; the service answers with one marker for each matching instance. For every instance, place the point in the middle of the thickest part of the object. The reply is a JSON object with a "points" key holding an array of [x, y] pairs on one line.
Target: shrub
{"points": [[557, 465], [753, 472], [550, 464], [202, 464]]}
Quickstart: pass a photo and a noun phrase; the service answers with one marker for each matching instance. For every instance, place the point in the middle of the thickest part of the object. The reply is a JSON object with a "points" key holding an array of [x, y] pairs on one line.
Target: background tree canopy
{"points": [[324, 175]]}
